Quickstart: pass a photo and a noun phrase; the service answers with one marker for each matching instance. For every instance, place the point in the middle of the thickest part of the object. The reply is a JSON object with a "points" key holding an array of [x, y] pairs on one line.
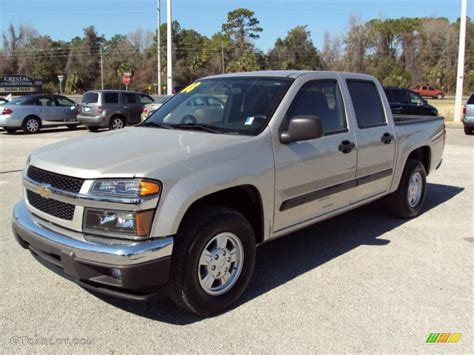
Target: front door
{"points": [[47, 109], [66, 109], [132, 107], [375, 140], [313, 177]]}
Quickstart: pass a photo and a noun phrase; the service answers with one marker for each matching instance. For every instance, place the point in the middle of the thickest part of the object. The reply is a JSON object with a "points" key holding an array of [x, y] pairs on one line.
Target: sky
{"points": [[65, 19]]}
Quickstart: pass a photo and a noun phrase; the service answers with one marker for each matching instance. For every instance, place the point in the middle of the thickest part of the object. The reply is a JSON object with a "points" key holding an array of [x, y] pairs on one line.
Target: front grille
{"points": [[58, 181], [54, 208]]}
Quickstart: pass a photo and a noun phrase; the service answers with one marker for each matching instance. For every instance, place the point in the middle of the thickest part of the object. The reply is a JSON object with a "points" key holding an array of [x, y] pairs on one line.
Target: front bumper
{"points": [[131, 270]]}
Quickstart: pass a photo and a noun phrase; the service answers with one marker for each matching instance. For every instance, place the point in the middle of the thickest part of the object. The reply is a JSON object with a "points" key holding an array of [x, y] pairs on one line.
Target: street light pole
{"points": [[169, 49], [158, 44], [101, 68], [460, 74]]}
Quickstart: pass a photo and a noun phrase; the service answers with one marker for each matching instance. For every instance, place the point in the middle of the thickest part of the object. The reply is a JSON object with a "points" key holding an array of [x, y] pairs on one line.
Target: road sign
{"points": [[61, 77], [126, 79]]}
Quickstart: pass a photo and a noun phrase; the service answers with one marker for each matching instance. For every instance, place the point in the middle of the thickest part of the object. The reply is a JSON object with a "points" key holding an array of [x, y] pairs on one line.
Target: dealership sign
{"points": [[18, 84]]}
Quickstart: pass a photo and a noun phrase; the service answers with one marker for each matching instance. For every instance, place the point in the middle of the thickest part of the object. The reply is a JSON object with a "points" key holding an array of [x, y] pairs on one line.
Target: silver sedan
{"points": [[30, 113]]}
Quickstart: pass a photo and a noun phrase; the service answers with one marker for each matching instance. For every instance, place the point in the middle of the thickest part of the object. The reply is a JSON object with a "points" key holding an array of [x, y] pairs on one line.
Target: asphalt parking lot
{"points": [[361, 282]]}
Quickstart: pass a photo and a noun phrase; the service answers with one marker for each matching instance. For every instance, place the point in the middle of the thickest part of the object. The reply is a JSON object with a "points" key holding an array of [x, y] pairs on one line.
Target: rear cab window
{"points": [[367, 103], [471, 100], [90, 98]]}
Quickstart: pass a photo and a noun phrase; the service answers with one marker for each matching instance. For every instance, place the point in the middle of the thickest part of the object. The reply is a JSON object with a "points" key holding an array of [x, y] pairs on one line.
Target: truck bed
{"points": [[410, 119]]}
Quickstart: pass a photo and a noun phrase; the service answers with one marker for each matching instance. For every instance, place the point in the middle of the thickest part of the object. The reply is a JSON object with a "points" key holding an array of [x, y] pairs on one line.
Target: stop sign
{"points": [[126, 79]]}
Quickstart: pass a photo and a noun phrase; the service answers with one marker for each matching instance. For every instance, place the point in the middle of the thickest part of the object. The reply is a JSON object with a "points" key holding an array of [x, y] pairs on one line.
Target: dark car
{"points": [[406, 102]]}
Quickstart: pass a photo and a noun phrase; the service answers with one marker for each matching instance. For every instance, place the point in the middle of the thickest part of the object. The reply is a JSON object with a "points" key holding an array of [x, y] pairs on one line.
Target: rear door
{"points": [[47, 109], [132, 107], [375, 139], [315, 177], [66, 109]]}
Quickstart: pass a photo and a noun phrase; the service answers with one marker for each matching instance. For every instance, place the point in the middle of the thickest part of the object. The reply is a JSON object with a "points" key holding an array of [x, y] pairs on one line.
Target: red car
{"points": [[429, 91]]}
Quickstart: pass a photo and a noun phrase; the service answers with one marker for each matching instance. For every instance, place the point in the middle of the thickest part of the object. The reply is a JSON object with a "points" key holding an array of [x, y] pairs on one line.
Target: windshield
{"points": [[226, 105], [90, 98]]}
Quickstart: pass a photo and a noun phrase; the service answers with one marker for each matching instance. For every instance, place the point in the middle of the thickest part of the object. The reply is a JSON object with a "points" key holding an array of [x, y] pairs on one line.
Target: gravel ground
{"points": [[361, 282]]}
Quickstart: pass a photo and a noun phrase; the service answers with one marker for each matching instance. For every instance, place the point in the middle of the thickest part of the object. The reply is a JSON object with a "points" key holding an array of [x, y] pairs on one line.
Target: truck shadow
{"points": [[288, 257]]}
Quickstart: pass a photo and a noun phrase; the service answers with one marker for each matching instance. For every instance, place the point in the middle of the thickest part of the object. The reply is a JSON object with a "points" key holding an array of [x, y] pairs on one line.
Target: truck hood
{"points": [[134, 151]]}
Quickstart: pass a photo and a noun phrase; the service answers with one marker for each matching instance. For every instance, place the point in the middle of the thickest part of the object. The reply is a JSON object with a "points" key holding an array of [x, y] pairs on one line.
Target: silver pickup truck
{"points": [[178, 205]]}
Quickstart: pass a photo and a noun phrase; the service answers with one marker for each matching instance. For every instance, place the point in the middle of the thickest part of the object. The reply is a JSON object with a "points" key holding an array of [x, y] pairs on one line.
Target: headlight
{"points": [[118, 223], [127, 188]]}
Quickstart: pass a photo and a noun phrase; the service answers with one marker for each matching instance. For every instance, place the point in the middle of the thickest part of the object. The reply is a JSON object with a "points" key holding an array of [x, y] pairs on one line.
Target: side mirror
{"points": [[302, 128]]}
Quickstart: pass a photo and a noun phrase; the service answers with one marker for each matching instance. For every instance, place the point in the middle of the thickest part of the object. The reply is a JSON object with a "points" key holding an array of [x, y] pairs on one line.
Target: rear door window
{"points": [[90, 98], [111, 98], [45, 101], [129, 98], [367, 104], [400, 96]]}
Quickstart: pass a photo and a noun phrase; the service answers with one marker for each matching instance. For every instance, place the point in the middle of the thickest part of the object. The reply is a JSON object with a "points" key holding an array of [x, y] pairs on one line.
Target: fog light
{"points": [[117, 274], [118, 223]]}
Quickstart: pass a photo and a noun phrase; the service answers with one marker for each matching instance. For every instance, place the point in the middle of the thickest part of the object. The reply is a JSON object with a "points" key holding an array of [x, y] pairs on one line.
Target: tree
{"points": [[296, 51], [241, 27], [356, 45]]}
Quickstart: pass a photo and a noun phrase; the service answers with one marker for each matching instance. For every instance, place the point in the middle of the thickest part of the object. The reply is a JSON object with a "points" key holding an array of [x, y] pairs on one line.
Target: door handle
{"points": [[346, 146], [387, 138]]}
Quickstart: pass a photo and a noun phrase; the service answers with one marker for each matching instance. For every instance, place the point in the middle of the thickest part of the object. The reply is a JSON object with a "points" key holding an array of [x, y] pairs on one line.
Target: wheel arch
{"points": [[245, 199]]}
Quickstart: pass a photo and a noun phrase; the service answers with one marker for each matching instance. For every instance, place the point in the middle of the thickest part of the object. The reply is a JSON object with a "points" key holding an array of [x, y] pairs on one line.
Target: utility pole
{"points": [[158, 44], [169, 49], [101, 69], [460, 74], [222, 56]]}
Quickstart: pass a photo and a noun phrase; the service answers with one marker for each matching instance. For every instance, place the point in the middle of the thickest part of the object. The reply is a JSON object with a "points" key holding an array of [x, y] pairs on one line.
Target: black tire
{"points": [[31, 125], [72, 127], [114, 122], [9, 130], [468, 131], [399, 200], [188, 119], [93, 129], [199, 228]]}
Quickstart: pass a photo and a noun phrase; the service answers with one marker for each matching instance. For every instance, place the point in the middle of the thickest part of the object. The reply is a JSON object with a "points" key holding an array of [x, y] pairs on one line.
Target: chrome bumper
{"points": [[107, 252]]}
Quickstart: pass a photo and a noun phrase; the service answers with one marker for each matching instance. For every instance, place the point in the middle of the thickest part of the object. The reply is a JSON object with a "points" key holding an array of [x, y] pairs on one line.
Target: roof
{"points": [[279, 74]]}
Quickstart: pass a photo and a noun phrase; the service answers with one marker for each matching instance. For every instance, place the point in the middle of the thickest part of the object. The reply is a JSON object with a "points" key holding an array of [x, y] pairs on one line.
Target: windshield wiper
{"points": [[155, 124], [198, 126]]}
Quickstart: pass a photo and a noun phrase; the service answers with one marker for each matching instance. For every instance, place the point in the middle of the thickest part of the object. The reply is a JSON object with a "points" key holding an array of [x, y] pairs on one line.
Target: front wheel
{"points": [[408, 200], [213, 260]]}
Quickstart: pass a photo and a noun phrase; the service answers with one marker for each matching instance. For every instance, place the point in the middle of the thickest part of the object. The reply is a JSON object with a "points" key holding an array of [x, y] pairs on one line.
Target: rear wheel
{"points": [[116, 123], [408, 200], [213, 260], [31, 125], [439, 96]]}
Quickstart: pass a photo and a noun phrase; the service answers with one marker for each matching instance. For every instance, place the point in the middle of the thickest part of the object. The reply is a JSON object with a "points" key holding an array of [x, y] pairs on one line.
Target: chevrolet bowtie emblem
{"points": [[44, 191]]}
